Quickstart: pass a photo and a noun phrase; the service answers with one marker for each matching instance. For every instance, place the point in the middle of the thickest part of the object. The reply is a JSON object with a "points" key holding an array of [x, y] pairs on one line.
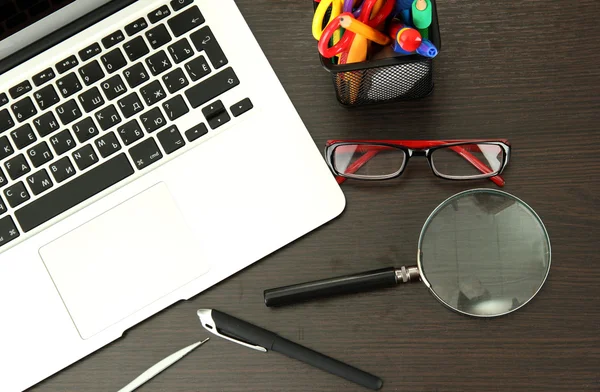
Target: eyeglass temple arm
{"points": [[353, 168]]}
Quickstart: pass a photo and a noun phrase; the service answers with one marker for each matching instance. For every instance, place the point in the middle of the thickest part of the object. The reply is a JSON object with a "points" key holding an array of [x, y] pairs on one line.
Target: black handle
{"points": [[326, 363], [363, 281]]}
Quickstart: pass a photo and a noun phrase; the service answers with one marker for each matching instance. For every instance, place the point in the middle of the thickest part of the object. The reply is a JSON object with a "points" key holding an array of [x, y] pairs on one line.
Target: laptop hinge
{"points": [[62, 34]]}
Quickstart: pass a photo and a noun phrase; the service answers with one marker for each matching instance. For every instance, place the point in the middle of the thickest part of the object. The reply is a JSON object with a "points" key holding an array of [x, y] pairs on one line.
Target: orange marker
{"points": [[357, 27]]}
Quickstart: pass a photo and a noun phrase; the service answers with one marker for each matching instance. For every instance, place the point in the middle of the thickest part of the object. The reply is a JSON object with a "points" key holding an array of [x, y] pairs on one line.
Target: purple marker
{"points": [[427, 49]]}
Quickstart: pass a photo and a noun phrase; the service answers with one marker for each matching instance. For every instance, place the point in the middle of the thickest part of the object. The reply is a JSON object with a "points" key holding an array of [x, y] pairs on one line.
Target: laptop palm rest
{"points": [[123, 260]]}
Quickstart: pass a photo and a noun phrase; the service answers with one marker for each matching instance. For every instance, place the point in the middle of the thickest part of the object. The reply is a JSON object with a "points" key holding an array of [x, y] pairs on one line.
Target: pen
{"points": [[348, 22], [160, 366], [251, 336]]}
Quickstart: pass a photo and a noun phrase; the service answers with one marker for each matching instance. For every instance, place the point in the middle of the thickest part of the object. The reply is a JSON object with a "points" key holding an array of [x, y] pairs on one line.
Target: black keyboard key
{"points": [[3, 181], [39, 182], [74, 192], [46, 97], [152, 93], [197, 68], [24, 109], [107, 117], [20, 89], [8, 230], [3, 99], [6, 121], [170, 139], [113, 60], [68, 112], [175, 80], [212, 87], [158, 36], [204, 39], [159, 14], [113, 39], [67, 64], [213, 110], [68, 85], [152, 120], [219, 120], [130, 132], [130, 105], [179, 4], [158, 63], [241, 107], [136, 75], [62, 169], [17, 167], [62, 142], [113, 87], [46, 124], [43, 77], [85, 130], [6, 148], [107, 144], [91, 73], [16, 194], [85, 157], [23, 136], [3, 209], [186, 21], [145, 154], [196, 132], [175, 107], [136, 26], [181, 50], [89, 52], [39, 154], [136, 48], [91, 99]]}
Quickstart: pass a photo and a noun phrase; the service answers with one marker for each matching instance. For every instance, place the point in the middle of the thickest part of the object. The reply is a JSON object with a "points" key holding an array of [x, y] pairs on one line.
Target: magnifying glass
{"points": [[482, 252]]}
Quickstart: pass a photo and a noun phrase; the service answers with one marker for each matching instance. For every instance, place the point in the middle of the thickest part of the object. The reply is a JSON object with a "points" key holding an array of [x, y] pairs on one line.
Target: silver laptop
{"points": [[147, 152]]}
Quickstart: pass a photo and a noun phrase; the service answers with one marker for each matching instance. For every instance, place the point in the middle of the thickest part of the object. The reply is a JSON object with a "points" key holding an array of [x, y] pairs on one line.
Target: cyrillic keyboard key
{"points": [[43, 77], [66, 64], [136, 75], [152, 120], [113, 87], [175, 107], [20, 89], [68, 112], [107, 117], [241, 107], [8, 230], [158, 36], [130, 105], [181, 50], [6, 121], [107, 144], [204, 39], [23, 109], [153, 93], [39, 182], [89, 52], [17, 167], [85, 130], [159, 14], [196, 132], [40, 154], [68, 85], [197, 68], [170, 139], [6, 149], [212, 87], [91, 73], [46, 124], [23, 136], [62, 142], [91, 99], [85, 157], [175, 80], [46, 97], [130, 132], [179, 4], [74, 192], [62, 169], [16, 194], [145, 154], [158, 63], [113, 60], [186, 21], [2, 207], [3, 179], [136, 48], [113, 39], [136, 26], [3, 99]]}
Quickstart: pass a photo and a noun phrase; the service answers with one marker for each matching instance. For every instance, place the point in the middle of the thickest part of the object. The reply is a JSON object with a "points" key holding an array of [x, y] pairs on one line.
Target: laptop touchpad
{"points": [[123, 260]]}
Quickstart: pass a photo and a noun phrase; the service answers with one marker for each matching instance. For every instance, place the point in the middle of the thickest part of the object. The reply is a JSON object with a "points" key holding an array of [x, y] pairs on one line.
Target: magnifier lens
{"points": [[484, 253]]}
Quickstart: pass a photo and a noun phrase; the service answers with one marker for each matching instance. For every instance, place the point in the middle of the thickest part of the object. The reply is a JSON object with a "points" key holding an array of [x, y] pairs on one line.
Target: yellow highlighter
{"points": [[351, 24]]}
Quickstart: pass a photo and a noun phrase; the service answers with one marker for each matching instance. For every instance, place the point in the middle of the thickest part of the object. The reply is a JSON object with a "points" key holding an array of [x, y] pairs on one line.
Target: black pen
{"points": [[251, 336]]}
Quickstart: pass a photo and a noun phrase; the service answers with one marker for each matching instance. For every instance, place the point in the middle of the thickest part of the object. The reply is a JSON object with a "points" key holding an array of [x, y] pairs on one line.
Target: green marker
{"points": [[421, 13]]}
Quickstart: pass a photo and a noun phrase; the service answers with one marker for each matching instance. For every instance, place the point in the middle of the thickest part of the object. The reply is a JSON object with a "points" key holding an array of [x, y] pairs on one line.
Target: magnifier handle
{"points": [[348, 284]]}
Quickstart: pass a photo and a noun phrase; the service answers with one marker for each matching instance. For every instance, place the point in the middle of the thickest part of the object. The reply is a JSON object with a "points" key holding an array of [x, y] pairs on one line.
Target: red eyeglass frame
{"points": [[422, 147]]}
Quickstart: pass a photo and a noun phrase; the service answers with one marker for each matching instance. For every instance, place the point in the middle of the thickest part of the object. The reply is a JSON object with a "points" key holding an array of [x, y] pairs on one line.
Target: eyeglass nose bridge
{"points": [[418, 153]]}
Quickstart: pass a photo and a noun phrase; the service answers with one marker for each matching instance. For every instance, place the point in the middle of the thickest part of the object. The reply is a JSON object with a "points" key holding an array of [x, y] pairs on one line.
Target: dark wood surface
{"points": [[523, 70]]}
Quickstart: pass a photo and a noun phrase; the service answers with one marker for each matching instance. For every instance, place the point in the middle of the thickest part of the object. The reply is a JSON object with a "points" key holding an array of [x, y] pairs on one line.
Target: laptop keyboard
{"points": [[106, 112]]}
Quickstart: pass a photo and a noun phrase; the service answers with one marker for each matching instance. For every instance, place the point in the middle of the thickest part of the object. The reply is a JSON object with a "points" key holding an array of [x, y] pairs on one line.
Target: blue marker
{"points": [[427, 49]]}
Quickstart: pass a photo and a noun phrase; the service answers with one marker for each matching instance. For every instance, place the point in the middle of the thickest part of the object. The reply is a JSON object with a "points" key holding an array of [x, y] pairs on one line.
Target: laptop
{"points": [[147, 152]]}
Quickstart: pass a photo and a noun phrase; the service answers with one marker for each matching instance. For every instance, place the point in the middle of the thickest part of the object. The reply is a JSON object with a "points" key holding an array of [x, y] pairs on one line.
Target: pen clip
{"points": [[208, 323]]}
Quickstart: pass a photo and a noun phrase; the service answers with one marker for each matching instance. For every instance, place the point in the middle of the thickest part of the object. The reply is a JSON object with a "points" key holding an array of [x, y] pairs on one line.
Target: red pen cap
{"points": [[409, 39]]}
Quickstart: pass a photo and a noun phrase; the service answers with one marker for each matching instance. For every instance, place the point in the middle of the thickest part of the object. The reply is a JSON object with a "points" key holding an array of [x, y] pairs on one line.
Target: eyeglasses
{"points": [[449, 159]]}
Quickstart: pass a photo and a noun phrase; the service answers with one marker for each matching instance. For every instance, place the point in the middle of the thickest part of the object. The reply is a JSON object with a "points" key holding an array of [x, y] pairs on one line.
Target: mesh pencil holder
{"points": [[385, 80]]}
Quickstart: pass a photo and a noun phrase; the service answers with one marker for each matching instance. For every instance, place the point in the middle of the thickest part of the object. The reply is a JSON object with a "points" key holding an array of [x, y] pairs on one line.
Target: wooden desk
{"points": [[523, 70]]}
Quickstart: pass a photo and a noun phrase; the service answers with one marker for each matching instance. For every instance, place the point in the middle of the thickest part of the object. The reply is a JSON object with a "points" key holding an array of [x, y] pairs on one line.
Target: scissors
{"points": [[344, 45], [319, 18]]}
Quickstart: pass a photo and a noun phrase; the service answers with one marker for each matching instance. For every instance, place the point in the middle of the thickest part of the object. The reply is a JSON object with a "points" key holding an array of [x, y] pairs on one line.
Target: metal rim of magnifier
{"points": [[462, 194]]}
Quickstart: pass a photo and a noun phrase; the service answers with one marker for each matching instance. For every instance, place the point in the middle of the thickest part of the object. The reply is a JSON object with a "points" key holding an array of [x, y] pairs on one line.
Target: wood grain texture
{"points": [[523, 70]]}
